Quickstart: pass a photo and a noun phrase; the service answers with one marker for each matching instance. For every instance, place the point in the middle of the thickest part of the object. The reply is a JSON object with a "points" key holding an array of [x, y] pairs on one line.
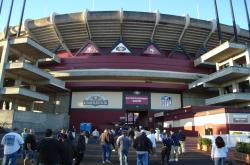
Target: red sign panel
{"points": [[136, 100]]}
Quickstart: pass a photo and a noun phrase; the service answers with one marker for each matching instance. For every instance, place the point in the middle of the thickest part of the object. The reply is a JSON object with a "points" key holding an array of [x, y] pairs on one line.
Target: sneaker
{"points": [[113, 150], [176, 159], [103, 162], [108, 161]]}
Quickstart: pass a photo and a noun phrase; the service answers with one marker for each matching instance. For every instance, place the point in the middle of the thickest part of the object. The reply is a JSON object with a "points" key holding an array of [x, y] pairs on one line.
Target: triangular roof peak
{"points": [[120, 46], [151, 49], [89, 47]]}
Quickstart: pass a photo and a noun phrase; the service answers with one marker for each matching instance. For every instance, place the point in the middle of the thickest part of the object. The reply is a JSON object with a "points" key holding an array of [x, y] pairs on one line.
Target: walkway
{"points": [[191, 157]]}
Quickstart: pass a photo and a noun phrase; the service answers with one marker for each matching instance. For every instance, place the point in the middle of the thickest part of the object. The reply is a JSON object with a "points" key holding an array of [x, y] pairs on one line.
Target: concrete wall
{"points": [[6, 118], [40, 121], [58, 103], [191, 98]]}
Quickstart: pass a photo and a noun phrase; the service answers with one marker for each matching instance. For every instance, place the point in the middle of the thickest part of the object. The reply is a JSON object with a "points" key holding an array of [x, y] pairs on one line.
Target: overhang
{"points": [[27, 71], [104, 26], [231, 98], [127, 73], [222, 76], [23, 94], [30, 48], [221, 53]]}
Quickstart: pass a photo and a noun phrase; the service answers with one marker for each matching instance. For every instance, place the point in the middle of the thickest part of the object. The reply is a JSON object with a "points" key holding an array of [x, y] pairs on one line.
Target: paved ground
{"points": [[191, 157]]}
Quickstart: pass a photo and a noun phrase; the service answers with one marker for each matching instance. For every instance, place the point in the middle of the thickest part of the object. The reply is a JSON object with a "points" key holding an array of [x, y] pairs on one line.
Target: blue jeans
{"points": [[219, 161], [9, 159], [123, 157], [142, 159], [106, 152]]}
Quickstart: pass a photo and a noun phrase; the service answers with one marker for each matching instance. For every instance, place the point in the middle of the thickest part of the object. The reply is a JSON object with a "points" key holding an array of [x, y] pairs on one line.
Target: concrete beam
{"points": [[23, 94], [64, 45], [119, 73], [220, 53], [222, 76], [231, 98], [30, 48]]}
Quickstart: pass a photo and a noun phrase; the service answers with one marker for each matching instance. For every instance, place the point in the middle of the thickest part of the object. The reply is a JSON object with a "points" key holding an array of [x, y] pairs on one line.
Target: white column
{"points": [[235, 87], [231, 62], [248, 57], [217, 66], [4, 59]]}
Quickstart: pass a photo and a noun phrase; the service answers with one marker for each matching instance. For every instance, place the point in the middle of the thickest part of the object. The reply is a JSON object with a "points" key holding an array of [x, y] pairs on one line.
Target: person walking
{"points": [[105, 143], [49, 150], [29, 148], [12, 143], [95, 135], [80, 148], [152, 138], [123, 144], [67, 151], [175, 151], [219, 151], [182, 138], [143, 146], [166, 150]]}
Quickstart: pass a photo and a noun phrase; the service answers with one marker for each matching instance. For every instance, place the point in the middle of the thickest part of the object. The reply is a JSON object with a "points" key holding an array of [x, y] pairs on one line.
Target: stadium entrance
{"points": [[136, 105], [137, 118]]}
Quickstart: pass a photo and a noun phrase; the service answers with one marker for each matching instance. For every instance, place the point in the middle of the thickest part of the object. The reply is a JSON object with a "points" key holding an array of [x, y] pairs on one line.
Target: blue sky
{"points": [[202, 9]]}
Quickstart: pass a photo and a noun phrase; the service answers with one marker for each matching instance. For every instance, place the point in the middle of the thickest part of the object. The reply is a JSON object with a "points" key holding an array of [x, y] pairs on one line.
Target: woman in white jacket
{"points": [[219, 151]]}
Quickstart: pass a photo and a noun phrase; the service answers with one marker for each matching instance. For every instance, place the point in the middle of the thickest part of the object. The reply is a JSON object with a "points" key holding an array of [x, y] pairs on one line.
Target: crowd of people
{"points": [[67, 148]]}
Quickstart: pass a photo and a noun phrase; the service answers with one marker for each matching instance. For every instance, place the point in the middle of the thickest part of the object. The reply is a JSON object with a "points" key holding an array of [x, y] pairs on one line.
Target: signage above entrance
{"points": [[95, 101], [89, 47], [136, 101]]}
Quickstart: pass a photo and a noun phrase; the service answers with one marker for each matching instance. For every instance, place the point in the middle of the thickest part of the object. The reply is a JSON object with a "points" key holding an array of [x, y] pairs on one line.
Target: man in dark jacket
{"points": [[166, 150], [142, 146], [80, 148], [49, 149], [68, 151]]}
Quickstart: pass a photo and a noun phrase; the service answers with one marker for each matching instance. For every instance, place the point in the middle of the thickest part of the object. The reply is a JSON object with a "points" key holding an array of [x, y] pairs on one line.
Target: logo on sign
{"points": [[120, 48], [166, 101], [95, 101]]}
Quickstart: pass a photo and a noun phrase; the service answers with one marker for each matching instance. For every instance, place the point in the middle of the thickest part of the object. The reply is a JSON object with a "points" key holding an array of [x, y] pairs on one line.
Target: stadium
{"points": [[122, 67]]}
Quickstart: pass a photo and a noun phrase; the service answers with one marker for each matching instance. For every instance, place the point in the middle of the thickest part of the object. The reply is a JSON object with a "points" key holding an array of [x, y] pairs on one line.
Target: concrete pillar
{"points": [[235, 87], [231, 62], [217, 66], [4, 59], [21, 59], [221, 91], [33, 88], [248, 57], [18, 82], [14, 105]]}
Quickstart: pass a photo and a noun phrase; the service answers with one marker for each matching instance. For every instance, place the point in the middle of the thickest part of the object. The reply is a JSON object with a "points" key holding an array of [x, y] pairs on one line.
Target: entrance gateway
{"points": [[136, 105]]}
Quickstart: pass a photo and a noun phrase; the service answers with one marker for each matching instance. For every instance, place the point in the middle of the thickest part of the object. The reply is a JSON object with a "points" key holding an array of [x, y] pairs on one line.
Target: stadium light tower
{"points": [[8, 22], [248, 21], [218, 22], [21, 19], [234, 24]]}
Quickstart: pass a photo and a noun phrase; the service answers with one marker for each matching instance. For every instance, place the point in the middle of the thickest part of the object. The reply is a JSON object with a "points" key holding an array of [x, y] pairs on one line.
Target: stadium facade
{"points": [[115, 67]]}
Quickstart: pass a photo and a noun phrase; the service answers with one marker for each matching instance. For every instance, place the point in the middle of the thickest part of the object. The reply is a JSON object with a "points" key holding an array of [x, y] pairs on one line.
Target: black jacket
{"points": [[142, 143]]}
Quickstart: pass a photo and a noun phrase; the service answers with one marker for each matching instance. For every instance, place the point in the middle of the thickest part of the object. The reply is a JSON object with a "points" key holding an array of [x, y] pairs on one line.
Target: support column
{"points": [[248, 58], [4, 59], [235, 87], [217, 66], [231, 62], [221, 91]]}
